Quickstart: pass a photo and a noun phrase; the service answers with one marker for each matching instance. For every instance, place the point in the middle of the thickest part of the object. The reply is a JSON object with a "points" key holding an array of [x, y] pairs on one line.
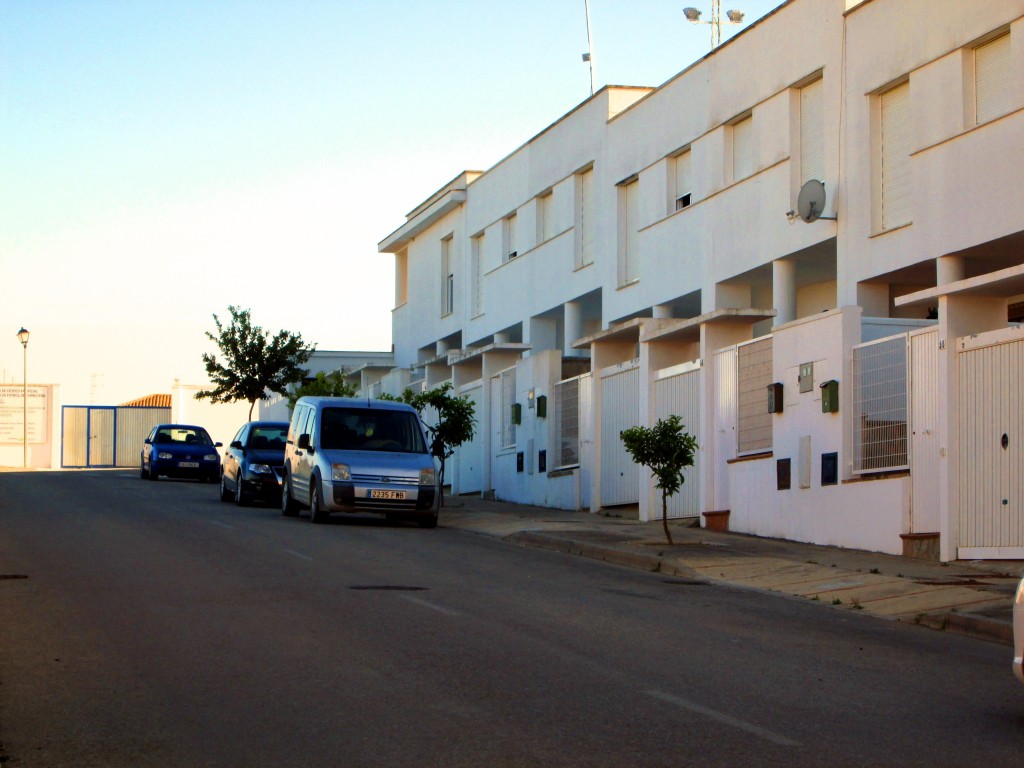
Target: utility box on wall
{"points": [[830, 397]]}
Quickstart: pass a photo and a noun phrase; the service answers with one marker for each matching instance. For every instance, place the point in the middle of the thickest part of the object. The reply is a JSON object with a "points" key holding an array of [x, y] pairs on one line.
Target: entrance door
{"points": [[470, 455], [991, 431], [620, 409]]}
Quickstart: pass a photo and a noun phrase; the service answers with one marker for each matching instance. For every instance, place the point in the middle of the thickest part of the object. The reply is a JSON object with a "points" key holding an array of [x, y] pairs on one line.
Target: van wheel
{"points": [[428, 521], [316, 514], [288, 506]]}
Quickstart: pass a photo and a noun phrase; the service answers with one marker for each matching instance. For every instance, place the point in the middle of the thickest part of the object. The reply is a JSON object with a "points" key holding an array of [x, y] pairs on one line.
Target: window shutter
{"points": [[895, 146], [991, 79], [683, 181], [812, 132], [743, 149]]}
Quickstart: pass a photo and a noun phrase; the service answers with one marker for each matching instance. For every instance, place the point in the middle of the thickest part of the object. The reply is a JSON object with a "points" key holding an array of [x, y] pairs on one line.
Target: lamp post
{"points": [[734, 17], [23, 338]]}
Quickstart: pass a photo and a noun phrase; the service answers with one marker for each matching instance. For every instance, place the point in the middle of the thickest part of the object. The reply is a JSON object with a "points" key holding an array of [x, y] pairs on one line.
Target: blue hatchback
{"points": [[180, 450]]}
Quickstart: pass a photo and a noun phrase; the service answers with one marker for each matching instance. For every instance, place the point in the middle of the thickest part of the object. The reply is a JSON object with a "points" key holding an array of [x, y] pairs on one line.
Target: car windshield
{"points": [[371, 429], [182, 436], [268, 438]]}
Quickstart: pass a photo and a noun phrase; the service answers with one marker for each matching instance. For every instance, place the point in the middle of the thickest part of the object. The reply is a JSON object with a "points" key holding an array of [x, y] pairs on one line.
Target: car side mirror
{"points": [[218, 445], [304, 442], [237, 444], [147, 441]]}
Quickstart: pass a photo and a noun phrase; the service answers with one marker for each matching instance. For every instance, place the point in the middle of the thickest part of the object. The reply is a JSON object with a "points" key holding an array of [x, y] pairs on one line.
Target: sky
{"points": [[161, 160]]}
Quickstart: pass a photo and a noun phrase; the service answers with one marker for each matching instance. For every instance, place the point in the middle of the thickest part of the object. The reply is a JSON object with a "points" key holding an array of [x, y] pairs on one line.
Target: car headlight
{"points": [[163, 455], [340, 472], [260, 469], [428, 476], [211, 457]]}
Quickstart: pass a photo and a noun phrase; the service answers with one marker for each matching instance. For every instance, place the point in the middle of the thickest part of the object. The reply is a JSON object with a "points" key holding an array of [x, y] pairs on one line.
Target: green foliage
{"points": [[254, 362], [453, 422], [331, 384], [666, 450]]}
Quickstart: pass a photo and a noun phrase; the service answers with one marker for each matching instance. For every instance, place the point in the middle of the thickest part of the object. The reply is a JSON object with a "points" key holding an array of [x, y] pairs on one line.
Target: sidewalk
{"points": [[973, 598]]}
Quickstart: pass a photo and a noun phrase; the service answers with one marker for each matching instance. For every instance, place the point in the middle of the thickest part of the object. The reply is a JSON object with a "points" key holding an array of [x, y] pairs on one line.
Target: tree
{"points": [[331, 384], [454, 420], [666, 450], [254, 362]]}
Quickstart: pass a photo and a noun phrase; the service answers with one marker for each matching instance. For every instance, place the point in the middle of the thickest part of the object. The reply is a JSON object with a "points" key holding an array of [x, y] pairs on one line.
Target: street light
{"points": [[23, 338], [734, 17]]}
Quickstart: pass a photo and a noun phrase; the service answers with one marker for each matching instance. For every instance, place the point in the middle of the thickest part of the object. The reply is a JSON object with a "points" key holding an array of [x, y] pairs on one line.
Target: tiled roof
{"points": [[158, 401]]}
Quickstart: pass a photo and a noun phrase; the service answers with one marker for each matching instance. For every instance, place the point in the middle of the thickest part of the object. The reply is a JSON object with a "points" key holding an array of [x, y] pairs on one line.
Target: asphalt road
{"points": [[148, 624]]}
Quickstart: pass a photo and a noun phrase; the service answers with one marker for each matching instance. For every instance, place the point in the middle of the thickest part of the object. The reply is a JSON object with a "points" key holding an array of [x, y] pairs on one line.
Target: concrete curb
{"points": [[970, 624]]}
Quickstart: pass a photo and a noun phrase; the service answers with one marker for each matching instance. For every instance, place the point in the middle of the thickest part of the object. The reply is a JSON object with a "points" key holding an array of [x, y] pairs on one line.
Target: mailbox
{"points": [[542, 406], [775, 398], [830, 396], [517, 413]]}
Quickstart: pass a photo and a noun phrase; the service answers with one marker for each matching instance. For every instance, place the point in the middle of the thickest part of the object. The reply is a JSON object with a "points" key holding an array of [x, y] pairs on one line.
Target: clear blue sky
{"points": [[161, 159]]}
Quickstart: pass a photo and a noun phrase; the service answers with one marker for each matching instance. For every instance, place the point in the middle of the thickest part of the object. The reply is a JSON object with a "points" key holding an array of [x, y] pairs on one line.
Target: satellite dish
{"points": [[811, 202]]}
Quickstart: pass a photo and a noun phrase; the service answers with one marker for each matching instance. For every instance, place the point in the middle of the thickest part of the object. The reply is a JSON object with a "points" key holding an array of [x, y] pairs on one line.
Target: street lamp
{"points": [[733, 17], [23, 338]]}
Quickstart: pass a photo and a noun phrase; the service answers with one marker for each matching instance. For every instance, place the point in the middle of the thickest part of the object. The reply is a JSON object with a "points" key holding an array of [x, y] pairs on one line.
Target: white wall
{"points": [[221, 420]]}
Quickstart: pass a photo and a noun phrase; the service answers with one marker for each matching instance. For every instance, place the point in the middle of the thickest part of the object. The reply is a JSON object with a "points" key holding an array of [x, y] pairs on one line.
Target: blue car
{"points": [[253, 463], [180, 450]]}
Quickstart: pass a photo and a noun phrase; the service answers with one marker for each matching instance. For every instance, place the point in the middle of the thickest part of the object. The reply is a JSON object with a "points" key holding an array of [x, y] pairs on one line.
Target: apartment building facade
{"points": [[808, 244]]}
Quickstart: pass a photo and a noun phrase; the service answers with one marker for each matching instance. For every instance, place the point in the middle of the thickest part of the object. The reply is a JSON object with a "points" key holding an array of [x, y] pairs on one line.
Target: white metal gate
{"points": [[677, 392], [105, 435], [924, 442], [991, 431], [620, 409], [469, 456], [586, 438], [724, 429]]}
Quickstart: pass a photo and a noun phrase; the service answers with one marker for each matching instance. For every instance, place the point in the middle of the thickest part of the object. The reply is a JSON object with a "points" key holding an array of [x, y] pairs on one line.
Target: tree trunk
{"points": [[664, 517], [252, 404]]}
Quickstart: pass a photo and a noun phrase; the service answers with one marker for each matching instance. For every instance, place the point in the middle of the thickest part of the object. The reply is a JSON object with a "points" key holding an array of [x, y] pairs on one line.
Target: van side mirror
{"points": [[304, 442]]}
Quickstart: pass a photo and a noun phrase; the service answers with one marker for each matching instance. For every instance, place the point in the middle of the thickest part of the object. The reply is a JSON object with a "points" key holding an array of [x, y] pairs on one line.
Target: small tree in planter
{"points": [[665, 450], [454, 425]]}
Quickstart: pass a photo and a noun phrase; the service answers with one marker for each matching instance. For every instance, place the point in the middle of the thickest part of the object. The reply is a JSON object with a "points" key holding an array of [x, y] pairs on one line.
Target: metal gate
{"points": [[677, 392], [620, 409], [470, 455], [924, 441], [105, 435], [586, 439], [723, 431], [991, 431]]}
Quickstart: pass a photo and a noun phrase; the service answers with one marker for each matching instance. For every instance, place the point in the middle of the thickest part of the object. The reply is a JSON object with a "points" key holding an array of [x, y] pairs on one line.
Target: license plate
{"points": [[188, 464], [390, 495]]}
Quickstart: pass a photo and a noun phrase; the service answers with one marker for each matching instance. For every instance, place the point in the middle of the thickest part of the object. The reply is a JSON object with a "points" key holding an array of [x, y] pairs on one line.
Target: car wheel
{"points": [[143, 473], [428, 521], [316, 514], [240, 498], [288, 506], [225, 494], [153, 473]]}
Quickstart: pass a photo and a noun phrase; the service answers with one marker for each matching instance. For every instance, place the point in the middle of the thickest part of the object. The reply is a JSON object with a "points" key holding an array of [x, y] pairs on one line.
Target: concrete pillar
{"points": [[502, 338], [949, 269], [541, 333], [573, 328], [784, 291], [441, 347], [662, 311]]}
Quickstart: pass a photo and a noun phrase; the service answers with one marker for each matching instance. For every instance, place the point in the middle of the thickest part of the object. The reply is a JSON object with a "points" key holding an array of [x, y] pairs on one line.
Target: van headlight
{"points": [[340, 472], [428, 476]]}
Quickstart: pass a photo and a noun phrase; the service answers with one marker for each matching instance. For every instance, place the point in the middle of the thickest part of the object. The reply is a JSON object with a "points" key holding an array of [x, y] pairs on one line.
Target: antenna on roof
{"points": [[588, 57]]}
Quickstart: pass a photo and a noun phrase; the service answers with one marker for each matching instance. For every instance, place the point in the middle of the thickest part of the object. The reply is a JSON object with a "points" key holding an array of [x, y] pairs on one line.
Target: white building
{"points": [[636, 259]]}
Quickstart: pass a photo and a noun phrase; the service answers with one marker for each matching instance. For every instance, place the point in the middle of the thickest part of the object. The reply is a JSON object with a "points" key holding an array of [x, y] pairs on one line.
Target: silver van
{"points": [[352, 455]]}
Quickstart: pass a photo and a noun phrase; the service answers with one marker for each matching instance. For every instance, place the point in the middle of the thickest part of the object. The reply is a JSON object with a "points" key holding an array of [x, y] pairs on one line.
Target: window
{"points": [[880, 405], [447, 278], [992, 74], [476, 259], [629, 215], [894, 110], [743, 149], [506, 426], [681, 193], [812, 132], [508, 234], [401, 277], [567, 423], [754, 364], [545, 217], [585, 218]]}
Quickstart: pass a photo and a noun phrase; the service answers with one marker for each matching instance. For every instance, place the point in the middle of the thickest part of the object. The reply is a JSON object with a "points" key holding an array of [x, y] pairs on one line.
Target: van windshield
{"points": [[371, 429]]}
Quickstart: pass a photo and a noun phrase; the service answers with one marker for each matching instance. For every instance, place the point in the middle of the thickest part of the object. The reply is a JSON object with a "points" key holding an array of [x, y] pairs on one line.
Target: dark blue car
{"points": [[180, 450], [253, 463]]}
